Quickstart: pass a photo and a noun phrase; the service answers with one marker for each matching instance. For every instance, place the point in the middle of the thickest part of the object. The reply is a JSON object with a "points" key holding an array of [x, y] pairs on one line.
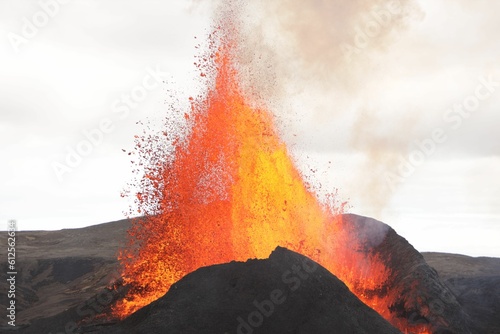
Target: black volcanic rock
{"points": [[287, 293], [419, 295]]}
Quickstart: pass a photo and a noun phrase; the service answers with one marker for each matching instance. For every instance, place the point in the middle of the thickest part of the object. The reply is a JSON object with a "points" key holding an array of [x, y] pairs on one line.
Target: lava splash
{"points": [[229, 190]]}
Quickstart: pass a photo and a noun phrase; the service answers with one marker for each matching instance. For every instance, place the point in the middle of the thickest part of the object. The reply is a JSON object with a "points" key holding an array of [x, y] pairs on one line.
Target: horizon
{"points": [[125, 219]]}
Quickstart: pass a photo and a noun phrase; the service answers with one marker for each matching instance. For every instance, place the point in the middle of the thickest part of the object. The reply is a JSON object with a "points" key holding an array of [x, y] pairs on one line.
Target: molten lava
{"points": [[230, 191]]}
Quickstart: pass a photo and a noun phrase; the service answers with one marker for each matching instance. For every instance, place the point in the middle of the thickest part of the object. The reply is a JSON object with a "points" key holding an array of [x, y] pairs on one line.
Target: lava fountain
{"points": [[228, 190]]}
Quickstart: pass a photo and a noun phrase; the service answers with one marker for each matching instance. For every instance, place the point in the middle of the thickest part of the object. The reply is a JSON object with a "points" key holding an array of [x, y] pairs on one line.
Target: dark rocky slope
{"points": [[417, 292], [476, 283], [58, 270]]}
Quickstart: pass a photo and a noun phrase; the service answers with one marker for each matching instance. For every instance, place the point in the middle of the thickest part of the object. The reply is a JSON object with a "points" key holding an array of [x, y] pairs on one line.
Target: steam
{"points": [[369, 232]]}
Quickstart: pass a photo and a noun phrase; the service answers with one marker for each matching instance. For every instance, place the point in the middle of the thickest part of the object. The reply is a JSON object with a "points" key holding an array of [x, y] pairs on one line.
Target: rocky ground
{"points": [[63, 277], [58, 270], [476, 283]]}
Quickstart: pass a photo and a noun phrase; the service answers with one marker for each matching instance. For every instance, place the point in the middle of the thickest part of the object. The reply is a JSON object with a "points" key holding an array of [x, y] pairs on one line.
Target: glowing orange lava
{"points": [[230, 191]]}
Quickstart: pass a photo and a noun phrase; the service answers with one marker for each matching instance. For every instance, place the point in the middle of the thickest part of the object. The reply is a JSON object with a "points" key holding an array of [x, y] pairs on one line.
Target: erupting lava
{"points": [[230, 191]]}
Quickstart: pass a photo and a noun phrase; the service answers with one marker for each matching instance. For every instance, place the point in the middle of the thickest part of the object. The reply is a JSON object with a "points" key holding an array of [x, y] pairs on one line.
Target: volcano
{"points": [[286, 293], [65, 277], [227, 189], [419, 300]]}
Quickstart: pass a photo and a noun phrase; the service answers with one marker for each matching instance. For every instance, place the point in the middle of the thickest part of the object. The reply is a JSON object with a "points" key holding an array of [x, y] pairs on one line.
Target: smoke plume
{"points": [[316, 62]]}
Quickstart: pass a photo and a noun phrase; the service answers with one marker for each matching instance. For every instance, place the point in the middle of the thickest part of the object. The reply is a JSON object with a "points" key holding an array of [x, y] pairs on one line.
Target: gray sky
{"points": [[430, 72]]}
